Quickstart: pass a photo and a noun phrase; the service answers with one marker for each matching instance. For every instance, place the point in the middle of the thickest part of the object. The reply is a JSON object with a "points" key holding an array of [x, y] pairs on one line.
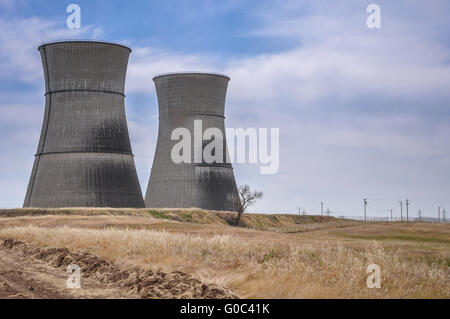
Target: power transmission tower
{"points": [[299, 210], [407, 204], [439, 214], [321, 208], [328, 212], [419, 214], [444, 213], [401, 210], [391, 214], [365, 209]]}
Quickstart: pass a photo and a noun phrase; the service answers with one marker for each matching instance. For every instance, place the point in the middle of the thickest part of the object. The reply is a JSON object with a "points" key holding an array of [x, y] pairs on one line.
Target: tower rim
{"points": [[83, 41], [190, 73]]}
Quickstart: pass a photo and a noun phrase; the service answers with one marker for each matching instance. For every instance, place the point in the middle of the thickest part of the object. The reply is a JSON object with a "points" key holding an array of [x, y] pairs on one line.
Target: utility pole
{"points": [[391, 214], [365, 209], [419, 213], [407, 204], [439, 214], [401, 210], [321, 208], [299, 210]]}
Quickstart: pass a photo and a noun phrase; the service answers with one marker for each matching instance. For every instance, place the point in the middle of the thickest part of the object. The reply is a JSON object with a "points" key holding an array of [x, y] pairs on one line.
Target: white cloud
{"points": [[349, 103], [22, 110], [334, 147], [328, 70], [147, 62], [20, 38]]}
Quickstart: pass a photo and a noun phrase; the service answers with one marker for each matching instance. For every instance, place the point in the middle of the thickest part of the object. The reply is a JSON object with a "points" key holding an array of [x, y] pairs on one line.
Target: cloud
{"points": [[335, 56], [22, 99], [362, 113], [146, 62], [330, 70], [20, 38]]}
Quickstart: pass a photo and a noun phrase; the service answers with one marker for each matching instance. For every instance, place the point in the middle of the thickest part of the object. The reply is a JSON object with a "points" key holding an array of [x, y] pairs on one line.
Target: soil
{"points": [[39, 272]]}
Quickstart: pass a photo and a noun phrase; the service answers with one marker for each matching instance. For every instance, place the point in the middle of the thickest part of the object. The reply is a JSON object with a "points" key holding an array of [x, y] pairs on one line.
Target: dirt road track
{"points": [[34, 272], [23, 276]]}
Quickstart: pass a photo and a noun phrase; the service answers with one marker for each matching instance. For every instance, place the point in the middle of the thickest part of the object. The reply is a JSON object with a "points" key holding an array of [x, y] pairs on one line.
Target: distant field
{"points": [[268, 256], [193, 215]]}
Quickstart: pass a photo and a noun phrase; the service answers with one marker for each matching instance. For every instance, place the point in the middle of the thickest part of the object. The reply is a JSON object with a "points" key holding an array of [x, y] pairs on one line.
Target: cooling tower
{"points": [[182, 99], [84, 156]]}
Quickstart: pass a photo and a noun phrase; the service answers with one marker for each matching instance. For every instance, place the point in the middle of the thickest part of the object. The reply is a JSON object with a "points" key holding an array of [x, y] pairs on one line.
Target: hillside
{"points": [[191, 253], [191, 215]]}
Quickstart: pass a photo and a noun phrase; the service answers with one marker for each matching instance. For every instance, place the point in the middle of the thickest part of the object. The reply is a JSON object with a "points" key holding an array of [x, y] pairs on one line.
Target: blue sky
{"points": [[363, 113]]}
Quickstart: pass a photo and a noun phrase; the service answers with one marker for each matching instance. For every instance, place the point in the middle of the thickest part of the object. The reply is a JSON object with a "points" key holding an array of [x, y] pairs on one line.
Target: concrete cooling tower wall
{"points": [[183, 98], [84, 157]]}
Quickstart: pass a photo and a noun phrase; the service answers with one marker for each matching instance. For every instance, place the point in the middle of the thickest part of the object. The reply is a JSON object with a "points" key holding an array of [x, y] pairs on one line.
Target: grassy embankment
{"points": [[271, 256]]}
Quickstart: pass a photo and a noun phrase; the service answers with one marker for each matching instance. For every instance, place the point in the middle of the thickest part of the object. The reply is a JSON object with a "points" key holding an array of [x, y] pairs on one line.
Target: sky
{"points": [[362, 113]]}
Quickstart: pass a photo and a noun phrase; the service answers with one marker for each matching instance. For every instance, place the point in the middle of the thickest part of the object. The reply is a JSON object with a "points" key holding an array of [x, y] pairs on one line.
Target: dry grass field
{"points": [[268, 256]]}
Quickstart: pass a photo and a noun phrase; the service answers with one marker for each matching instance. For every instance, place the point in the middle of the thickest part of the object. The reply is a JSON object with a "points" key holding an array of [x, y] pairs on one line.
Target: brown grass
{"points": [[255, 264], [189, 215]]}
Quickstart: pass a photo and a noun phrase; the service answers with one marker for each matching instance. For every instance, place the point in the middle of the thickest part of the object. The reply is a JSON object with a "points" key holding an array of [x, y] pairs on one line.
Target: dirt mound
{"points": [[11, 243], [147, 284]]}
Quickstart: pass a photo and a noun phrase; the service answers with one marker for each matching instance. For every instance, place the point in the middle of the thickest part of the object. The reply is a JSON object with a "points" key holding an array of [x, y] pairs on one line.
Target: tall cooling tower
{"points": [[84, 157], [183, 98]]}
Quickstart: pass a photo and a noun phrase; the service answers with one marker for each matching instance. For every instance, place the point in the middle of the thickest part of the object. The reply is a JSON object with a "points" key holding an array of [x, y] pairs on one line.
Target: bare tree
{"points": [[247, 198]]}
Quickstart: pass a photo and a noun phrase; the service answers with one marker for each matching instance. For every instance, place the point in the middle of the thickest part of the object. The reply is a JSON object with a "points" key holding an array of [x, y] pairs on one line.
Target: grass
{"points": [[257, 264], [399, 237], [269, 256], [157, 214], [191, 215]]}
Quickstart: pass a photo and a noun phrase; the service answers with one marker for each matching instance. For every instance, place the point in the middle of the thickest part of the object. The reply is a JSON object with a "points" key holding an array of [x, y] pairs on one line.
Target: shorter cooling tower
{"points": [[182, 99], [84, 157]]}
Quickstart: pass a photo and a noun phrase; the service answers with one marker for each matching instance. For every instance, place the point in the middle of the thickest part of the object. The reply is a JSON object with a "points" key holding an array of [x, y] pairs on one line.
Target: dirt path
{"points": [[33, 272], [24, 276]]}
